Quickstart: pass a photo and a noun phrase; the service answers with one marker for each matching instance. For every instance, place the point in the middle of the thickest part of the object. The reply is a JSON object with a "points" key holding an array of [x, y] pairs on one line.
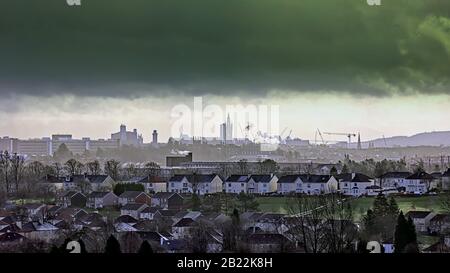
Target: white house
{"points": [[289, 184], [393, 180], [154, 184], [418, 183], [262, 184], [312, 184], [355, 184], [236, 184], [198, 183], [88, 183]]}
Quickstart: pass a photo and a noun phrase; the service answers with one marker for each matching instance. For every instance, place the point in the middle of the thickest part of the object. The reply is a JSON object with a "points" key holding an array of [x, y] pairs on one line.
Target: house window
{"points": [[265, 185], [172, 184], [229, 185], [150, 184], [242, 184], [356, 184], [185, 185], [345, 185], [309, 186]]}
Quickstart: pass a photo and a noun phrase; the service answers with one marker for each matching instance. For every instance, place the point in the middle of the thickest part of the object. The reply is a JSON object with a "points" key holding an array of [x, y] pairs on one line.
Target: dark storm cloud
{"points": [[236, 47]]}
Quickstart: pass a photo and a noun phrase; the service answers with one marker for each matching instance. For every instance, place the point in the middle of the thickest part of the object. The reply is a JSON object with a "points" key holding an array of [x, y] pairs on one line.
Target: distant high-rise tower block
{"points": [[155, 137], [229, 129], [359, 141], [223, 132]]}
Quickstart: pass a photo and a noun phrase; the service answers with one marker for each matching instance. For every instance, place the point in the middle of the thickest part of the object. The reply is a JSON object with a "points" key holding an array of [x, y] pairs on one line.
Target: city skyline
{"points": [[355, 68]]}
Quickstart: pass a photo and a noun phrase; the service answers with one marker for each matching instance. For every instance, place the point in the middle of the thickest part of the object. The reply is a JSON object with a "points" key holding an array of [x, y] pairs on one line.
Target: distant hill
{"points": [[441, 138]]}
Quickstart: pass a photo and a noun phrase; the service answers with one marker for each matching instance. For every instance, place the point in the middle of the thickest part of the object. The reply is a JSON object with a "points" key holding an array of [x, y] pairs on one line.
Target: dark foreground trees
{"points": [[322, 223], [405, 235], [112, 246]]}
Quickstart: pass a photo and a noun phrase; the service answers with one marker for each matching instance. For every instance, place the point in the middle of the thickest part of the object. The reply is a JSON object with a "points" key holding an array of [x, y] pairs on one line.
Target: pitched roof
{"points": [[261, 178], [315, 178], [421, 175], [150, 210], [185, 222], [198, 178], [10, 228], [288, 178], [237, 178], [436, 175], [153, 179], [395, 175], [10, 237], [177, 178], [145, 225], [440, 217], [125, 219], [53, 179], [167, 212], [353, 177], [164, 195], [124, 227], [96, 179], [131, 194], [417, 214]]}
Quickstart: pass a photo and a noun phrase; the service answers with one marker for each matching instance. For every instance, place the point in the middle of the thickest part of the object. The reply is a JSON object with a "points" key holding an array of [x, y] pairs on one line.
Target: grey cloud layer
{"points": [[236, 47]]}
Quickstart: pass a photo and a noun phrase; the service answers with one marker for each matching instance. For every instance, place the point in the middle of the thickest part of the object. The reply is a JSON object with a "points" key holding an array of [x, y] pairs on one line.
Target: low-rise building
{"points": [[154, 184], [134, 197], [418, 183], [355, 184], [198, 183], [393, 179], [421, 219], [167, 200], [74, 199], [133, 209], [236, 184], [262, 184], [99, 199]]}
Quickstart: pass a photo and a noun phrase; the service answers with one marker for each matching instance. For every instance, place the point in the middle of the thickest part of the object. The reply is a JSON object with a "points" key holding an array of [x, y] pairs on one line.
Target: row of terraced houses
{"points": [[352, 184]]}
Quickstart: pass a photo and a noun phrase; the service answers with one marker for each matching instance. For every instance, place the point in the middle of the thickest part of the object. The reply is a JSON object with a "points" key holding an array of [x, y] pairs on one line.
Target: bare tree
{"points": [[243, 166], [71, 166], [321, 223], [153, 168], [306, 223], [5, 166], [57, 169], [17, 170], [112, 169], [93, 167], [79, 168]]}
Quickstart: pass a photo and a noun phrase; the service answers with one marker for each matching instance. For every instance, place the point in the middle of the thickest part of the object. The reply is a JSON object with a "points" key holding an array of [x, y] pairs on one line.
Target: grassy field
{"points": [[360, 205]]}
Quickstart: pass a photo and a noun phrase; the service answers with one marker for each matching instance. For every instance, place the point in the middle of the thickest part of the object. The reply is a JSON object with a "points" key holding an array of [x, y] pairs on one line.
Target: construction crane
{"points": [[349, 135], [321, 137]]}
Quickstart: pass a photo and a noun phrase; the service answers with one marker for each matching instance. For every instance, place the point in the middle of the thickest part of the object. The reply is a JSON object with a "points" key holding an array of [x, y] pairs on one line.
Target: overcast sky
{"points": [[333, 65]]}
